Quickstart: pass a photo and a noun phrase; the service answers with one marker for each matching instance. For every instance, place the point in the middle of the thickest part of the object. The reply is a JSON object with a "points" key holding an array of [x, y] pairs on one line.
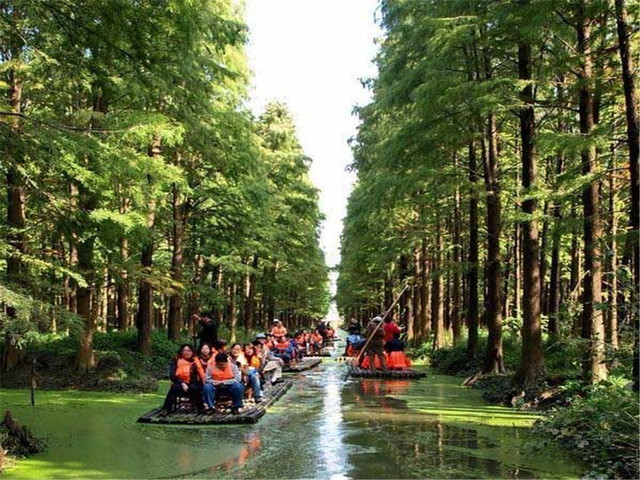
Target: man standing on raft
{"points": [[375, 333]]}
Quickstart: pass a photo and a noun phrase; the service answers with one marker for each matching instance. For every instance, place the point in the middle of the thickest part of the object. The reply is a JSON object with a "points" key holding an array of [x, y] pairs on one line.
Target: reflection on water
{"points": [[332, 456], [331, 429], [323, 428]]}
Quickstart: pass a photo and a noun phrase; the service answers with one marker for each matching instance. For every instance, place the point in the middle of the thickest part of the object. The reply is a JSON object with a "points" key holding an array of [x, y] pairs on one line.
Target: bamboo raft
{"points": [[408, 374], [251, 413], [306, 364]]}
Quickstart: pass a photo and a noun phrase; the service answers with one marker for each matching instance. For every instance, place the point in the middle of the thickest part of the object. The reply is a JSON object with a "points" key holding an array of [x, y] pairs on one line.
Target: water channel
{"points": [[324, 427]]}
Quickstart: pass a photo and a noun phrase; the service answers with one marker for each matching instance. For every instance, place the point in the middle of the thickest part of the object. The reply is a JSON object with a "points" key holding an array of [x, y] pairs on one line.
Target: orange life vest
{"points": [[183, 370], [283, 345], [254, 361], [316, 337], [220, 375], [201, 366], [278, 331]]}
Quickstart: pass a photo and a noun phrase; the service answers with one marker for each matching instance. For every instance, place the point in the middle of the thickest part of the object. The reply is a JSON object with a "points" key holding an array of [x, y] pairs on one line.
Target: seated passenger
{"points": [[224, 377], [301, 342], [252, 357], [283, 349], [185, 381], [270, 342], [397, 359], [315, 341], [251, 374], [270, 365], [220, 346], [354, 344], [205, 356], [331, 333], [278, 329]]}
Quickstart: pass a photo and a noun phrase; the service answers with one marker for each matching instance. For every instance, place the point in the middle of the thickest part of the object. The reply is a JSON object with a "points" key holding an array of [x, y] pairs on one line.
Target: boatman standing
{"points": [[375, 333]]}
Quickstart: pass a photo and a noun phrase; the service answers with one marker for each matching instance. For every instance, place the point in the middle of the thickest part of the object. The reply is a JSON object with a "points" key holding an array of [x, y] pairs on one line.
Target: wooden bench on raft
{"points": [[408, 374], [251, 413], [305, 364]]}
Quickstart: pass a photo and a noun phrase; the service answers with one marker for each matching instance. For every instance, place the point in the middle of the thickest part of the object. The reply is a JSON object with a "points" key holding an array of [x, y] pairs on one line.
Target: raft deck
{"points": [[406, 374], [306, 364], [251, 413]]}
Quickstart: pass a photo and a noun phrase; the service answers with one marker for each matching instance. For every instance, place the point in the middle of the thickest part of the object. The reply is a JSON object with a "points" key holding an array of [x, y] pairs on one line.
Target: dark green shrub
{"points": [[601, 426], [108, 362]]}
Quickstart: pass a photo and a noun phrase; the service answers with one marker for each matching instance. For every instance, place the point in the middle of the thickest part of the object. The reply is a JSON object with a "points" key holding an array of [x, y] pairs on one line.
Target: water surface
{"points": [[323, 428]]}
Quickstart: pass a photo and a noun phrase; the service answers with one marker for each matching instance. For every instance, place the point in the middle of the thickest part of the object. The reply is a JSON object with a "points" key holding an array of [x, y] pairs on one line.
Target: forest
{"points": [[139, 188], [497, 176]]}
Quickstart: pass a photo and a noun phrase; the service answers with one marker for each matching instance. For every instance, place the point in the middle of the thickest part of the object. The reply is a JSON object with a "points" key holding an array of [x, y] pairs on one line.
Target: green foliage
{"points": [[601, 426], [132, 130], [455, 361]]}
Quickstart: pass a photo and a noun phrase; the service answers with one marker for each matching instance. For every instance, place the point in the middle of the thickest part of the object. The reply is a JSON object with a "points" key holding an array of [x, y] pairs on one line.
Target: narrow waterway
{"points": [[323, 428]]}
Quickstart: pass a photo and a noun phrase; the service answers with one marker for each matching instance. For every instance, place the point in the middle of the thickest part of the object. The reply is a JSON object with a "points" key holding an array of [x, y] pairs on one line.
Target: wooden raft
{"points": [[305, 364], [251, 413], [409, 374]]}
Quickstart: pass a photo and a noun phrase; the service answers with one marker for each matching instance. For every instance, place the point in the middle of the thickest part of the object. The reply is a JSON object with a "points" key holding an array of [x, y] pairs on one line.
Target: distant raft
{"points": [[409, 373], [306, 364], [251, 413]]}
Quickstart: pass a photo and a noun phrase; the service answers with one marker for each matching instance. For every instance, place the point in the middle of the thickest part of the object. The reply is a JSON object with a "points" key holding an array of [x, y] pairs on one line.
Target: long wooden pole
{"points": [[385, 315]]}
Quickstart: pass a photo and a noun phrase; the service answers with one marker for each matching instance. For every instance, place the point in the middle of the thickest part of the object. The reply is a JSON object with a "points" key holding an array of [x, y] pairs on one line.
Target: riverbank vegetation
{"points": [[139, 189], [497, 175]]}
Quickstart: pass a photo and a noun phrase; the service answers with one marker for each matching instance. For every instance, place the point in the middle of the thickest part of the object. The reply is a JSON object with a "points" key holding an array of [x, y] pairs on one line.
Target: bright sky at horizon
{"points": [[311, 55]]}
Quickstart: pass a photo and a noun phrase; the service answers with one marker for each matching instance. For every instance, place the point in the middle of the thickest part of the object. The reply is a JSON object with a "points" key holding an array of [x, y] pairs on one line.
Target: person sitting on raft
{"points": [[250, 373], [220, 346], [354, 345], [354, 327], [185, 381], [282, 349], [270, 365], [315, 342], [331, 333], [375, 348], [301, 343], [223, 376], [278, 330], [397, 358], [206, 356]]}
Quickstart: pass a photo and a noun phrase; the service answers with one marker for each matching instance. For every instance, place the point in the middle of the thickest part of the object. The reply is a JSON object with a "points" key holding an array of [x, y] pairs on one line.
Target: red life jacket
{"points": [[220, 375], [183, 370]]}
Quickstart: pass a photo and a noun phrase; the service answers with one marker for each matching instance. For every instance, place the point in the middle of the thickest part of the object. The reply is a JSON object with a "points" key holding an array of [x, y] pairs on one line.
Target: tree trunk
{"points": [[144, 318], [611, 327], [437, 307], [85, 359], [425, 322], [249, 303], [554, 280], [16, 218], [493, 362], [177, 260], [633, 134], [472, 271], [233, 311], [456, 288], [531, 368], [593, 324], [412, 327], [123, 281]]}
